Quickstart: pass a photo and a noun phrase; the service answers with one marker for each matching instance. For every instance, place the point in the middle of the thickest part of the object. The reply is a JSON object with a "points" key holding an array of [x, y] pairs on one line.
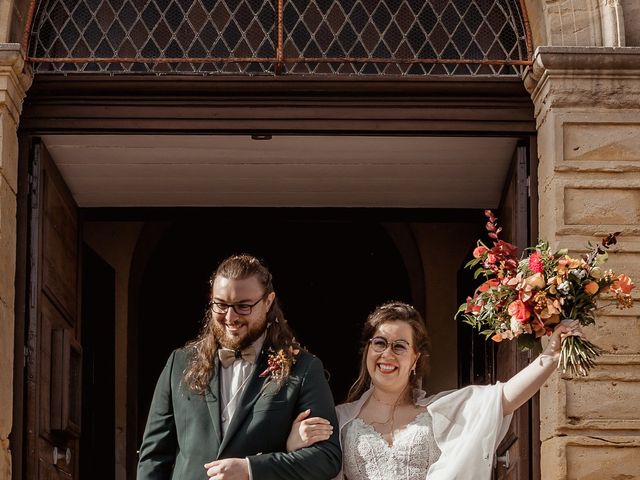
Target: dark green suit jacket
{"points": [[184, 432]]}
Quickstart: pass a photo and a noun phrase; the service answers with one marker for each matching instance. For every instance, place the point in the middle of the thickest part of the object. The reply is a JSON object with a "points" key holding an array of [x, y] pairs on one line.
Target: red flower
{"points": [[492, 282], [535, 263], [520, 311], [472, 307]]}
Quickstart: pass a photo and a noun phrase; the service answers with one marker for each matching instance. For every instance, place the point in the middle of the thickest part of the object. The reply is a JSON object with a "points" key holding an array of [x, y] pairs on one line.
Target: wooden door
{"points": [[483, 362], [515, 453], [54, 354]]}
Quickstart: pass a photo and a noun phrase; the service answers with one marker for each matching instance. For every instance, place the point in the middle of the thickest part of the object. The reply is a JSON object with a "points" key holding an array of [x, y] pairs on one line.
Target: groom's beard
{"points": [[233, 342]]}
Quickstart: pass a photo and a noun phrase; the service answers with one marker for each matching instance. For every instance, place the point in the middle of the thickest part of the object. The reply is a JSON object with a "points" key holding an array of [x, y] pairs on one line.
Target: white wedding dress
{"points": [[456, 437], [368, 456]]}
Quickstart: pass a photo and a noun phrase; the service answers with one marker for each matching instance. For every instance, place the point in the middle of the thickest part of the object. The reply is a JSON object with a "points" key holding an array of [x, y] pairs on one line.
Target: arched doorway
{"points": [[328, 275]]}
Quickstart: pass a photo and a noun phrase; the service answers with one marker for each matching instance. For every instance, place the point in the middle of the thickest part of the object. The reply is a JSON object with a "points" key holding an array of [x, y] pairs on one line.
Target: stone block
{"points": [[606, 142], [5, 459], [572, 23], [6, 368], [609, 457], [598, 206], [606, 402], [616, 334], [8, 149], [7, 243], [602, 462], [6, 386]]}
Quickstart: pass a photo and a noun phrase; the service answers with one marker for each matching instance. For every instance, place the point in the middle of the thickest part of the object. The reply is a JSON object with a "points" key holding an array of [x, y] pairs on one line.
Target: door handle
{"points": [[57, 456], [504, 460]]}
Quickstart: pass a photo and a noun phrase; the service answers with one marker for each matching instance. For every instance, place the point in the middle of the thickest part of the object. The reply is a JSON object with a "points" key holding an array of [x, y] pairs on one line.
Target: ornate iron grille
{"points": [[279, 37]]}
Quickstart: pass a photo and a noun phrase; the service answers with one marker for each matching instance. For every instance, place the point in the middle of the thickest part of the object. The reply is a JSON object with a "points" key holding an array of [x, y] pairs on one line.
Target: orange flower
{"points": [[623, 284], [479, 251], [591, 288], [497, 337], [519, 311], [493, 282]]}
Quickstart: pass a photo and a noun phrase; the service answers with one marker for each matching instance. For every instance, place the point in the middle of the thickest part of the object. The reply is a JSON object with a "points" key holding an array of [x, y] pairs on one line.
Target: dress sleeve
{"points": [[468, 425]]}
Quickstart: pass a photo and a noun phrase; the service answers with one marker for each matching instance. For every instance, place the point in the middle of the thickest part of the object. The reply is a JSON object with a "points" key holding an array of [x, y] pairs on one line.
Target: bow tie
{"points": [[227, 356]]}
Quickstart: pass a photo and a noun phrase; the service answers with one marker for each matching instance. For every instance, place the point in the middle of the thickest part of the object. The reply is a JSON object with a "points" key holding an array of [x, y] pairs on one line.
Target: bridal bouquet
{"points": [[525, 298]]}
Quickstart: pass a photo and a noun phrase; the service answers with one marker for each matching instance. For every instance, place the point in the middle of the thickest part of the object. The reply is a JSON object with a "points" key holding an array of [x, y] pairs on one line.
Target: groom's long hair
{"points": [[387, 313], [202, 351]]}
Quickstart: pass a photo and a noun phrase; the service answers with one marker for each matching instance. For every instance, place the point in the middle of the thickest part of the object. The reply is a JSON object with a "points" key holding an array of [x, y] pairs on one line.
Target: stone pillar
{"points": [[587, 107], [13, 85]]}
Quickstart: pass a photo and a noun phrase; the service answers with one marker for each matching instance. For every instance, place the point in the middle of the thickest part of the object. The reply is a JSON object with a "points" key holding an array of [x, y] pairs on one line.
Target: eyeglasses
{"points": [[239, 308], [399, 347]]}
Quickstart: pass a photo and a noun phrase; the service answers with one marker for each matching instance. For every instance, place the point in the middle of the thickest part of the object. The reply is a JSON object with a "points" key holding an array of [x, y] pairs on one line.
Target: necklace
{"points": [[391, 417], [385, 403]]}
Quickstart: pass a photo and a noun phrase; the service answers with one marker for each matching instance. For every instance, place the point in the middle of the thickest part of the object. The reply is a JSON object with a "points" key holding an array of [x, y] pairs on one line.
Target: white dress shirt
{"points": [[233, 381]]}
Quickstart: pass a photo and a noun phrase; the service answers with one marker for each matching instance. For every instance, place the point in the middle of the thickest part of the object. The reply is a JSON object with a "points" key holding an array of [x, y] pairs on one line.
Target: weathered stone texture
{"points": [[589, 185], [6, 381], [8, 149], [603, 462], [617, 334], [7, 242], [605, 399], [590, 206], [631, 9], [590, 458], [583, 23], [607, 142], [13, 85]]}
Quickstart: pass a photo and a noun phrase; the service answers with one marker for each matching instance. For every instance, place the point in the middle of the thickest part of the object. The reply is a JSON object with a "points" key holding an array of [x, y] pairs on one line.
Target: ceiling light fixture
{"points": [[261, 137]]}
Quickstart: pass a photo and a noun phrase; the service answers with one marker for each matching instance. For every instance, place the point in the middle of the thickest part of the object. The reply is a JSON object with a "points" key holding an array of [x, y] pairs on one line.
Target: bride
{"points": [[390, 429]]}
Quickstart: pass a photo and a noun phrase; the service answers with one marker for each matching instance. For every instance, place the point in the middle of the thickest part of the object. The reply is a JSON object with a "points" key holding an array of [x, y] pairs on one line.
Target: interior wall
{"points": [[115, 242], [444, 248]]}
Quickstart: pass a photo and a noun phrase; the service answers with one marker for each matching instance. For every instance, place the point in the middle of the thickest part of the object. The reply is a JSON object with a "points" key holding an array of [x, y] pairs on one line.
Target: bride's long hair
{"points": [[387, 313]]}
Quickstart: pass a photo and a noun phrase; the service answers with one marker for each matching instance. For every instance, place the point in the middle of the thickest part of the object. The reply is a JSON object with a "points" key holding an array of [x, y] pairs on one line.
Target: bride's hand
{"points": [[565, 328], [307, 431]]}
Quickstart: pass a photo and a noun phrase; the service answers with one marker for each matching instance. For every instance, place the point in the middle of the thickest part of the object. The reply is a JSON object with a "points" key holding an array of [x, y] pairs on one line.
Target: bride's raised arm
{"points": [[524, 385]]}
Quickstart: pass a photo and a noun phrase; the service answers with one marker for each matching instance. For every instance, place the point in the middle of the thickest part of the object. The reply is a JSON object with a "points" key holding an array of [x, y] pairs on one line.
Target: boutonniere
{"points": [[279, 363]]}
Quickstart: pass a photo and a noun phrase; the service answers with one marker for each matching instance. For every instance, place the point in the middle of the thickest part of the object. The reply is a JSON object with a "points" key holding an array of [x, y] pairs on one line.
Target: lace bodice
{"points": [[368, 456]]}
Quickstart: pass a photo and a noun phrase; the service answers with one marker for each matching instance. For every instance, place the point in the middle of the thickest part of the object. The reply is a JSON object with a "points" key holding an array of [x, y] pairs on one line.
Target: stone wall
{"points": [[587, 103], [13, 85]]}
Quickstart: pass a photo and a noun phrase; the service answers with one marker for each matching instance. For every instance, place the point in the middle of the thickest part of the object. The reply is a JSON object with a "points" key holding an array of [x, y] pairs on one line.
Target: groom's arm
{"points": [[320, 461]]}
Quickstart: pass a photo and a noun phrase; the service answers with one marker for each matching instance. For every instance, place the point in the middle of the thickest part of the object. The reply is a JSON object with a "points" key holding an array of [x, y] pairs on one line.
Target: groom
{"points": [[224, 404]]}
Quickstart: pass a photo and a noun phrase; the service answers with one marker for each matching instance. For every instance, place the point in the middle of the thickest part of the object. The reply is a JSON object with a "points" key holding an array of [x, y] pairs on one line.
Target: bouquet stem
{"points": [[578, 356]]}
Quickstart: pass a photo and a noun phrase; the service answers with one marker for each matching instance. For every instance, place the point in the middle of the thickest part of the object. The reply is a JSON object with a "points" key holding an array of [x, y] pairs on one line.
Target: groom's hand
{"points": [[228, 469]]}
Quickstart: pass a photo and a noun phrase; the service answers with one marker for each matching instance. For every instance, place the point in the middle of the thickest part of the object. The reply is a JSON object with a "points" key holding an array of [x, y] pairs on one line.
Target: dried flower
{"points": [[524, 299], [279, 364]]}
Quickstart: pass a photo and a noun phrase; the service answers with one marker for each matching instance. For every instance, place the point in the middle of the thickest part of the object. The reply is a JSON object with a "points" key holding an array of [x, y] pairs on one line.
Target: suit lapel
{"points": [[212, 398], [249, 397]]}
